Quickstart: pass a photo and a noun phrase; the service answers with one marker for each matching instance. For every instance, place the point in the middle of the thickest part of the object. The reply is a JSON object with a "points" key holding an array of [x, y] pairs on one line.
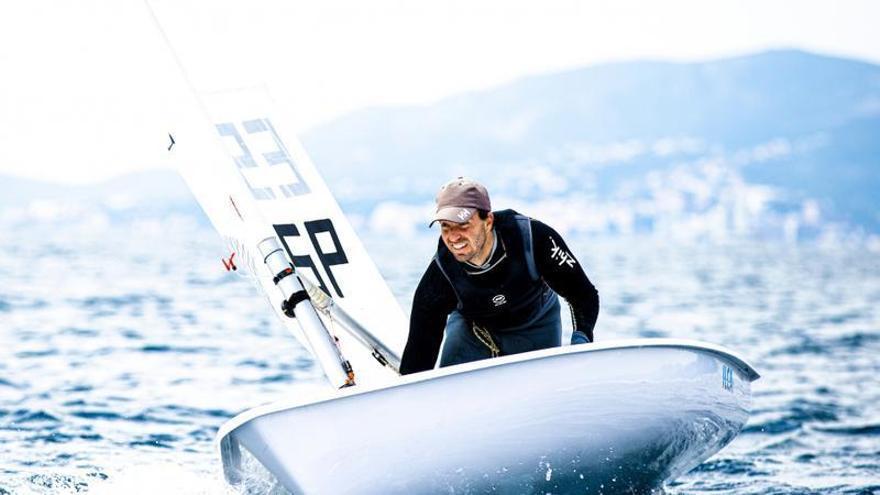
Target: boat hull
{"points": [[616, 418]]}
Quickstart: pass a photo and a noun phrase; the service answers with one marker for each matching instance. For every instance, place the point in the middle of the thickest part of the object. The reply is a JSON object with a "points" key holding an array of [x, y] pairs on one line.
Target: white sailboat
{"points": [[612, 417], [616, 417]]}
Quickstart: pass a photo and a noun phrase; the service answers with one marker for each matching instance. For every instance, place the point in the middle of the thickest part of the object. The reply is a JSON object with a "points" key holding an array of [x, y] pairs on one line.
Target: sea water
{"points": [[124, 347]]}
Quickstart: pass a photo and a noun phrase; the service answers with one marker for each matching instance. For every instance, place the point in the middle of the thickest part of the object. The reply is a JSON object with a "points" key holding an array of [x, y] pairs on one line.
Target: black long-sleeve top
{"points": [[435, 298]]}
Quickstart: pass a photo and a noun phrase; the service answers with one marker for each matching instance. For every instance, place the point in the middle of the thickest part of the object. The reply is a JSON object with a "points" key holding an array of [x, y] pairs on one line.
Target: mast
{"points": [[297, 305]]}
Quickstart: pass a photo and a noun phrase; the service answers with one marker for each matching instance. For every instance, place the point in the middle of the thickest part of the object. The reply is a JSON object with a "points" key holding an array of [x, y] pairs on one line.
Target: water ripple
{"points": [[159, 440], [24, 416], [859, 430], [147, 361], [104, 415], [6, 383], [36, 354], [177, 349], [58, 482], [729, 466]]}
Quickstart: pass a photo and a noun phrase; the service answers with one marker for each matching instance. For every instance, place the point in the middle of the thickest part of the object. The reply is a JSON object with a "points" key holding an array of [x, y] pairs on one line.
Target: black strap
{"points": [[525, 227], [291, 302], [284, 273]]}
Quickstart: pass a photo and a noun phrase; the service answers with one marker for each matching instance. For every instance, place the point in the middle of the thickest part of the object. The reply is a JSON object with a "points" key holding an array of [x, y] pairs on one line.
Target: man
{"points": [[493, 285]]}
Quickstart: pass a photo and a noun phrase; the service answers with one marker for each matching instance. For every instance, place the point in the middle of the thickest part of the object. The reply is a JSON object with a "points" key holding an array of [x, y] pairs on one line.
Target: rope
{"points": [[485, 337]]}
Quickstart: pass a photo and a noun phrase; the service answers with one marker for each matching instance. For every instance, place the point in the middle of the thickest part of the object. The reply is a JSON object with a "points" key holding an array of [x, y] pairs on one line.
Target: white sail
{"points": [[254, 180]]}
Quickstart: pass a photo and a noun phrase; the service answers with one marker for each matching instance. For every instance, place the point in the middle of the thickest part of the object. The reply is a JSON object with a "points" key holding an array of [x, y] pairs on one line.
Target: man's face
{"points": [[467, 241]]}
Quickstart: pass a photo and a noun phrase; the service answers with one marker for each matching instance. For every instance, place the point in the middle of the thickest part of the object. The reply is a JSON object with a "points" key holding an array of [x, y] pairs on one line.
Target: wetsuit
{"points": [[506, 306]]}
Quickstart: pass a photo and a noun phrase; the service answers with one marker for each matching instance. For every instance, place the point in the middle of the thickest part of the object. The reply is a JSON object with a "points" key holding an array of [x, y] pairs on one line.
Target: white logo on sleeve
{"points": [[499, 300], [557, 253]]}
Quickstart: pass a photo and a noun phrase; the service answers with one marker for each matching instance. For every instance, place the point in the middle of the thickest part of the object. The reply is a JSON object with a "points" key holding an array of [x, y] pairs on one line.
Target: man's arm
{"points": [[433, 301], [564, 274]]}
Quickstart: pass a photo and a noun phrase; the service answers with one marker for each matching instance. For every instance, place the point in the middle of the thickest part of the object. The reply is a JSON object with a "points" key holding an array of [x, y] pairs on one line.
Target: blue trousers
{"points": [[542, 331]]}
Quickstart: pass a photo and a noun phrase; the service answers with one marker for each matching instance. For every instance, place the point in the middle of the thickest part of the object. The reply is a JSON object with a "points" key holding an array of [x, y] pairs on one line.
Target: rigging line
{"points": [[485, 337]]}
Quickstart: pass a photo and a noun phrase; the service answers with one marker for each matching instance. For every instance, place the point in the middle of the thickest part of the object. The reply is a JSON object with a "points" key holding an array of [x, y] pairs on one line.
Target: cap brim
{"points": [[455, 214]]}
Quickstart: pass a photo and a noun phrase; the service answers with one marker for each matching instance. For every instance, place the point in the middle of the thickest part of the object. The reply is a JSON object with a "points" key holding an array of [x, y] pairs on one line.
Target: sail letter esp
{"points": [[336, 257], [300, 261]]}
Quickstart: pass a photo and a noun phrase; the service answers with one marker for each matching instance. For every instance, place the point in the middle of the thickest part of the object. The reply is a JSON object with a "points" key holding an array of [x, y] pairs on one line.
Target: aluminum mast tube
{"points": [[298, 306]]}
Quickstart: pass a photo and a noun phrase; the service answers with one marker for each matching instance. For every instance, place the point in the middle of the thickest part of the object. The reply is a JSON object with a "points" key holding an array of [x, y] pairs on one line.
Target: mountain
{"points": [[148, 194], [803, 124], [781, 144]]}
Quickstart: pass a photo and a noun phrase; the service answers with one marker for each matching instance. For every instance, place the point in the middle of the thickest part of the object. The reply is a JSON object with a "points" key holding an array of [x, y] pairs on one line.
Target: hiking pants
{"points": [[463, 343]]}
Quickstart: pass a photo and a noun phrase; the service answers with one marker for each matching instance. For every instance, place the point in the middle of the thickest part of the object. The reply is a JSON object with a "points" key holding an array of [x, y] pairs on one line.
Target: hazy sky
{"points": [[86, 86]]}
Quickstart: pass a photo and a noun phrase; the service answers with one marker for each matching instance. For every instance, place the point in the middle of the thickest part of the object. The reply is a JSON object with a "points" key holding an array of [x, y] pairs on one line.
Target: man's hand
{"points": [[578, 337]]}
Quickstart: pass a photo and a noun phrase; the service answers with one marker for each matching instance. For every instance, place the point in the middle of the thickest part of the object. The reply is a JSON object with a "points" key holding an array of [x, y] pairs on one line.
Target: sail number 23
{"points": [[327, 259]]}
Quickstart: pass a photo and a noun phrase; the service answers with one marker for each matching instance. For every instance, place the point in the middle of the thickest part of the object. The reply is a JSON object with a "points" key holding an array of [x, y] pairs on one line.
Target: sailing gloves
{"points": [[578, 337]]}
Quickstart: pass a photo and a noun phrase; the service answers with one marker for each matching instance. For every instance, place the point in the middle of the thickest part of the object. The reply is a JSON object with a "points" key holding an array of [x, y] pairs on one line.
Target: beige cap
{"points": [[459, 199]]}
